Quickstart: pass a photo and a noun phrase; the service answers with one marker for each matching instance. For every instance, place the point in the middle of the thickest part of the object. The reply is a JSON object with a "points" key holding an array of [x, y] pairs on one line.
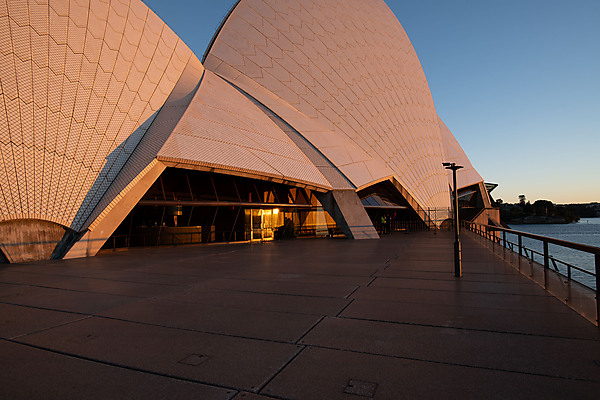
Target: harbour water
{"points": [[586, 231]]}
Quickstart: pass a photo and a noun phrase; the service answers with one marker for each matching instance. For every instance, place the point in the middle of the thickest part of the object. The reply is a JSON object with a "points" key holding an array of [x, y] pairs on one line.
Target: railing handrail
{"points": [[559, 242], [487, 231]]}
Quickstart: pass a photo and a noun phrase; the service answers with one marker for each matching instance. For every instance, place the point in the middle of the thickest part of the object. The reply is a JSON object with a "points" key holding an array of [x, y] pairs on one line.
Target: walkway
{"points": [[304, 319]]}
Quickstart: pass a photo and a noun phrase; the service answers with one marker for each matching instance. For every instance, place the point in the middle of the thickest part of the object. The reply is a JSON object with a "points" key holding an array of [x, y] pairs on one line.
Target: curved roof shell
{"points": [[222, 130], [345, 75], [81, 81], [466, 176]]}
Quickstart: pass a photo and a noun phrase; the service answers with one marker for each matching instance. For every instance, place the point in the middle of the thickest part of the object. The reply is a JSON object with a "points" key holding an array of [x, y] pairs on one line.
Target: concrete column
{"points": [[347, 211]]}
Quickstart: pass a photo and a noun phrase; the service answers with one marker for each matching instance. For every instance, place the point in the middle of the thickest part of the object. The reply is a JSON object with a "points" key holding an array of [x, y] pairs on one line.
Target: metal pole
{"points": [[546, 264], [597, 290], [520, 250], [457, 250]]}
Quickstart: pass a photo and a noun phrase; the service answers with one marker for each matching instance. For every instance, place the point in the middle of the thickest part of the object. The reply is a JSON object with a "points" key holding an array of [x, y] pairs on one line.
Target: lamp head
{"points": [[452, 166]]}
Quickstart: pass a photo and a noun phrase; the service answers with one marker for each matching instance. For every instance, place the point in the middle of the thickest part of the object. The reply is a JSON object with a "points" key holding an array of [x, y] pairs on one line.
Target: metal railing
{"points": [[576, 291]]}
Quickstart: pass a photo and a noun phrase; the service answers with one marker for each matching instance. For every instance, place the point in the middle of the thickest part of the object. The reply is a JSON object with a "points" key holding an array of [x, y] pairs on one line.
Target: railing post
{"points": [[546, 264], [520, 240], [597, 271]]}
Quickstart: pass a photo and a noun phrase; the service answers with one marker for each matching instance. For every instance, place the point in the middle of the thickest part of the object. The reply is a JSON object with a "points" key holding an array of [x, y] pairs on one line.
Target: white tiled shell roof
{"points": [[79, 81], [223, 129], [466, 176], [349, 66]]}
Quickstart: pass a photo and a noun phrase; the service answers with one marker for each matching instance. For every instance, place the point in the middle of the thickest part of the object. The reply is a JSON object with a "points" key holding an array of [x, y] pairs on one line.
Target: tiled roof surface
{"points": [[466, 176], [221, 128], [349, 66], [80, 82]]}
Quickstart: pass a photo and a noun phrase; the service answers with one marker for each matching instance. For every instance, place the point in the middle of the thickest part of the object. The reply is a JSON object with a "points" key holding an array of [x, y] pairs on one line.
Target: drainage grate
{"points": [[194, 360], [360, 388]]}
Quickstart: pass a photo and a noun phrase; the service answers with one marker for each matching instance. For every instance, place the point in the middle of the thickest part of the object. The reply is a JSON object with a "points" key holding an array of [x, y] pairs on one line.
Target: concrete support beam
{"points": [[421, 212], [347, 211], [104, 226], [142, 168], [487, 202]]}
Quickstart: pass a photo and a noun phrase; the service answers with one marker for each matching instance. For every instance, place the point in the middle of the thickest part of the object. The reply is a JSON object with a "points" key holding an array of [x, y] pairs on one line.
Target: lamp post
{"points": [[457, 252]]}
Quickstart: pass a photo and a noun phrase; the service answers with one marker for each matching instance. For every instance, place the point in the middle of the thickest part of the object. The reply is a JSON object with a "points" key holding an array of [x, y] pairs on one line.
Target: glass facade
{"points": [[189, 207]]}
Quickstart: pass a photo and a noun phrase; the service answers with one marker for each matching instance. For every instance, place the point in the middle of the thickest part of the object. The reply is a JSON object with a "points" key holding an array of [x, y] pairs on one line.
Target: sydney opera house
{"points": [[302, 118]]}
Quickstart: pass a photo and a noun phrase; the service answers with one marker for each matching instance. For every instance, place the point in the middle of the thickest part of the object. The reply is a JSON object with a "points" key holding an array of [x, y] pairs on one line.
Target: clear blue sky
{"points": [[516, 81]]}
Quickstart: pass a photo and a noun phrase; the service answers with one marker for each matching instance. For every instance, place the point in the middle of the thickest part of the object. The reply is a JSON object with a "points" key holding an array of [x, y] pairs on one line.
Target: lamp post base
{"points": [[457, 260]]}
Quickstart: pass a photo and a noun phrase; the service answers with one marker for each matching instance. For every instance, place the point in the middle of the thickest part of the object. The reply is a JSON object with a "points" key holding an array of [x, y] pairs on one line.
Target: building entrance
{"points": [[262, 223]]}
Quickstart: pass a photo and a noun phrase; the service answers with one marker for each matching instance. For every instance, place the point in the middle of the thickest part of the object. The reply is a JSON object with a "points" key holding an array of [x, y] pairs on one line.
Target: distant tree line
{"points": [[545, 212]]}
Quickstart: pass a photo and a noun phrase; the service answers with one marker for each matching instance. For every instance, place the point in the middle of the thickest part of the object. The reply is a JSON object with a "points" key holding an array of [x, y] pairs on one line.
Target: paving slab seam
{"points": [[450, 278], [345, 307], [71, 290], [453, 364], [298, 352], [366, 275], [352, 292], [566, 311], [260, 268], [309, 329], [467, 329], [237, 307], [287, 294], [450, 271], [387, 265], [388, 262], [49, 328], [296, 398], [241, 278], [266, 396], [93, 314], [198, 331], [545, 294], [90, 278], [211, 246], [127, 367], [224, 291], [45, 308], [161, 274]]}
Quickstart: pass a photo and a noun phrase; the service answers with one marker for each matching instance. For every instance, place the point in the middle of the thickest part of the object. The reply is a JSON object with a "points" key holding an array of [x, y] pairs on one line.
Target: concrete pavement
{"points": [[299, 319]]}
